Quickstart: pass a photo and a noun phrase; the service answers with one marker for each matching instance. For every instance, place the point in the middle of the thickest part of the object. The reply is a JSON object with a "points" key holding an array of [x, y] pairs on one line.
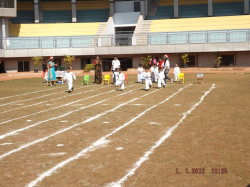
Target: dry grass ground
{"points": [[47, 131]]}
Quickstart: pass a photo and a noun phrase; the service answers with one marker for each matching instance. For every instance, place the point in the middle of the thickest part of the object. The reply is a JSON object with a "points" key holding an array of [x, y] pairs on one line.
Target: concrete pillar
{"points": [[4, 31], [36, 11], [143, 8], [210, 8], [112, 7], [74, 20], [246, 7], [176, 8]]}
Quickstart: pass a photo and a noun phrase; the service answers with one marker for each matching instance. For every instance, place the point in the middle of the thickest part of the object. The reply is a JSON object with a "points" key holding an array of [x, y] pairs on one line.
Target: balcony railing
{"points": [[171, 38]]}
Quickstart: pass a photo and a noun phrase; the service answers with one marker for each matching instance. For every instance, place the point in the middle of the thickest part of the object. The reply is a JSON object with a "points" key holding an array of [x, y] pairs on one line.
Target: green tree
{"points": [[68, 59], [146, 60], [37, 61]]}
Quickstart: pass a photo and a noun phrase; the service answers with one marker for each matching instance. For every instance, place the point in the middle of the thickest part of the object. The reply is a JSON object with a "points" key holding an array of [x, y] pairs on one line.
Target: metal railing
{"points": [[171, 38]]}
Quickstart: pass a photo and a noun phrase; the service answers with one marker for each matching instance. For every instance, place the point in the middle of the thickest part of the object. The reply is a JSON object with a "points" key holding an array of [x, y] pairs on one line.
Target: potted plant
{"points": [[68, 59], [37, 61], [218, 61], [146, 60], [89, 68], [185, 60]]}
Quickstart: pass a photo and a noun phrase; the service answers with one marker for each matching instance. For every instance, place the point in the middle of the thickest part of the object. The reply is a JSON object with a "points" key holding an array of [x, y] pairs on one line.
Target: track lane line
{"points": [[12, 133], [68, 128], [99, 141], [14, 102], [46, 101], [4, 122], [159, 142]]}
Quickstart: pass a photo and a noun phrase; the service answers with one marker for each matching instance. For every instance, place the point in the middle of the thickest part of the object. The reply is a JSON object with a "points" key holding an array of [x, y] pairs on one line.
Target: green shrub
{"points": [[89, 67]]}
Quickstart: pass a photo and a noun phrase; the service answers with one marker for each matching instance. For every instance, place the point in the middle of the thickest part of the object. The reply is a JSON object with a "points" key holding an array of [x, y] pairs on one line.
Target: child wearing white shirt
{"points": [[115, 64], [69, 77], [176, 72], [161, 77], [120, 79], [148, 82], [140, 70]]}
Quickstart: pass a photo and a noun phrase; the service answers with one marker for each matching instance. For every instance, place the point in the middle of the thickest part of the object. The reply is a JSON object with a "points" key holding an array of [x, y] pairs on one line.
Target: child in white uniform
{"points": [[115, 75], [69, 77], [161, 77], [148, 81], [120, 79], [156, 73], [140, 70], [176, 72]]}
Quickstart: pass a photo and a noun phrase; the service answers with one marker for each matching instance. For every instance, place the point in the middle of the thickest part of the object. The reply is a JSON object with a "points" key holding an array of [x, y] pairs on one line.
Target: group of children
{"points": [[159, 73]]}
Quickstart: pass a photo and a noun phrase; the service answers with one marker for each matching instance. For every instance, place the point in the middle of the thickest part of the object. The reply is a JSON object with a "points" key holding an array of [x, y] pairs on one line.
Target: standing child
{"points": [[140, 70], [115, 75], [120, 79], [69, 77], [166, 68], [148, 81], [160, 78], [176, 72]]}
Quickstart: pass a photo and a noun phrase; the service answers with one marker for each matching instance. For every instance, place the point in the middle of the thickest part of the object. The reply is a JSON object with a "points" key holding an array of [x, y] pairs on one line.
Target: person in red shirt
{"points": [[160, 62]]}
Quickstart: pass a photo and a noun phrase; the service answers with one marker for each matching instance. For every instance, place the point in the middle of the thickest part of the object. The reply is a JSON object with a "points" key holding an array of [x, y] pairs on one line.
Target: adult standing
{"points": [[52, 73], [153, 61], [115, 64], [45, 69], [98, 70], [166, 67]]}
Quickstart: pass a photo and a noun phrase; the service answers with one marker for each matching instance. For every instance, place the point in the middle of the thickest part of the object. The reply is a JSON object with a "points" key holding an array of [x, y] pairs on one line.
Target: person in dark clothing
{"points": [[45, 69]]}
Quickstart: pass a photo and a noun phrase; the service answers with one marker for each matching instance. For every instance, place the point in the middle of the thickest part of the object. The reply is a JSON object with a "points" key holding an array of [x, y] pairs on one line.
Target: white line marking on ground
{"points": [[158, 143], [154, 123], [64, 121], [57, 154], [18, 101], [119, 148], [28, 93], [49, 108], [177, 104], [6, 143], [60, 145], [66, 129], [105, 122], [63, 115], [98, 142], [42, 102]]}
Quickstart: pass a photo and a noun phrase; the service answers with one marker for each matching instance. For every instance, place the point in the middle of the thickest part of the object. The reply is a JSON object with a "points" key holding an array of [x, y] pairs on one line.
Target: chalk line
{"points": [[18, 101], [48, 108], [63, 115], [42, 102], [29, 93], [98, 142], [65, 129], [158, 143]]}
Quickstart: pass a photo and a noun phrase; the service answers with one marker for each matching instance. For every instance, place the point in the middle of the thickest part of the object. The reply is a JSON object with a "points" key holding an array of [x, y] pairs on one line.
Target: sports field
{"points": [[181, 135]]}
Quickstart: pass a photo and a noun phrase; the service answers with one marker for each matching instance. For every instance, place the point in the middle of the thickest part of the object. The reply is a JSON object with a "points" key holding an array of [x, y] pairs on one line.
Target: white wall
{"points": [[10, 65], [131, 18], [124, 6]]}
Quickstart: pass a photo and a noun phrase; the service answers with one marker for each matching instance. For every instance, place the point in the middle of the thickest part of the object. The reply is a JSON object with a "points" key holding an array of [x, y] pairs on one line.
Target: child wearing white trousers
{"points": [[120, 79], [69, 77], [148, 81], [139, 75], [161, 77], [176, 72]]}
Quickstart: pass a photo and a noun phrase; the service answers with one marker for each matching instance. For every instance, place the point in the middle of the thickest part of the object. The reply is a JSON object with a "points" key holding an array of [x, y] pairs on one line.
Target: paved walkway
{"points": [[27, 75]]}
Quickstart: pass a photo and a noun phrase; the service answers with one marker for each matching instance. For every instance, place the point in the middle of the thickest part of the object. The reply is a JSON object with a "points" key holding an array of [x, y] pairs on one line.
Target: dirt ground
{"points": [[97, 136]]}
